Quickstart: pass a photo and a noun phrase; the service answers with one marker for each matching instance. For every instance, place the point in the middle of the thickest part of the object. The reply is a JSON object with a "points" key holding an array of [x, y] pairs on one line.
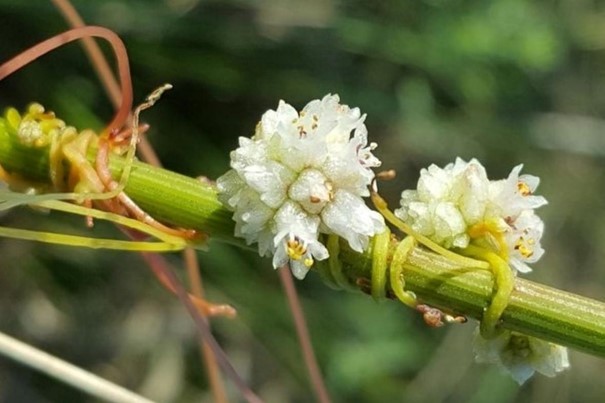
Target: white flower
{"points": [[348, 217], [521, 355], [449, 202], [514, 194], [300, 175], [296, 239], [523, 240]]}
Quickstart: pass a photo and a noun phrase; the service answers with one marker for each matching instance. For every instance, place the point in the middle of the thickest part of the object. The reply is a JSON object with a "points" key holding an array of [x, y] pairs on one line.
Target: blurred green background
{"points": [[506, 81]]}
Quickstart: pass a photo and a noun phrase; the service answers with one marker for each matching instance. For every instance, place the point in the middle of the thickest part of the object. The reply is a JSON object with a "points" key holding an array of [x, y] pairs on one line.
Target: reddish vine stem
{"points": [[155, 260], [124, 97], [302, 331], [106, 77], [148, 154], [104, 72], [208, 356], [59, 40]]}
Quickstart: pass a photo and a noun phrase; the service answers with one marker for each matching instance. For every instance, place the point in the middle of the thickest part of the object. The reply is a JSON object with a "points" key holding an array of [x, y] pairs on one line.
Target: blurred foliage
{"points": [[506, 81]]}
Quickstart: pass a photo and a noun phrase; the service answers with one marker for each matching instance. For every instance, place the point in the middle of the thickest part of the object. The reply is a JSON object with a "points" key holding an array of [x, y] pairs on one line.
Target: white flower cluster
{"points": [[449, 202], [521, 355], [457, 205], [300, 175]]}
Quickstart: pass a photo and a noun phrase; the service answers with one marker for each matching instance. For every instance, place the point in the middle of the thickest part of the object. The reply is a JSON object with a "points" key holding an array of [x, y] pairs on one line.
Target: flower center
{"points": [[297, 250], [525, 247], [524, 189]]}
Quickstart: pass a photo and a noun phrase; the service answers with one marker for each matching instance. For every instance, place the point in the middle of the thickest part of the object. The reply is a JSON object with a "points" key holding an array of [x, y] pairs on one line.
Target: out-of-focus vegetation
{"points": [[506, 81]]}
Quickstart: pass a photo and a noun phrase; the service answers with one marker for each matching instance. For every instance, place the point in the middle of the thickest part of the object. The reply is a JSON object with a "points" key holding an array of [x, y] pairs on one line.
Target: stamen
{"points": [[296, 250], [524, 189], [525, 248]]}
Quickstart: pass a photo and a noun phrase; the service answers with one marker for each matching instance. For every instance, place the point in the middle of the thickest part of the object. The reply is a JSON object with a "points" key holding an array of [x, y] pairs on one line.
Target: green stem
{"points": [[534, 309]]}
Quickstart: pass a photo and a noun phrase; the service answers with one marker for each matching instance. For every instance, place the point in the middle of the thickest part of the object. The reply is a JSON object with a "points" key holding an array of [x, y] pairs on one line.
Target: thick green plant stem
{"points": [[534, 309]]}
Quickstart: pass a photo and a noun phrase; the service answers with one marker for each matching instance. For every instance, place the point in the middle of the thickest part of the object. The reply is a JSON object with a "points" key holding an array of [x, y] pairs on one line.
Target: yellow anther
{"points": [[524, 248], [523, 189], [295, 249], [308, 262]]}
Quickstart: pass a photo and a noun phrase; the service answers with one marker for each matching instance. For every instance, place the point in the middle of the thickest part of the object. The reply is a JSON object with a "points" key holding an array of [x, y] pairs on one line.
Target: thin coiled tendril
{"points": [[387, 278]]}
